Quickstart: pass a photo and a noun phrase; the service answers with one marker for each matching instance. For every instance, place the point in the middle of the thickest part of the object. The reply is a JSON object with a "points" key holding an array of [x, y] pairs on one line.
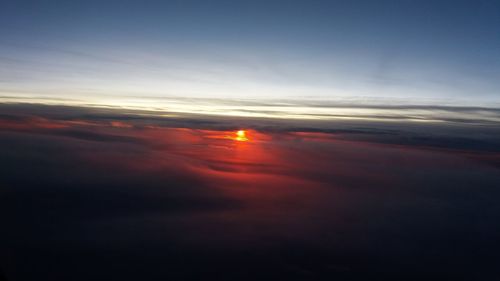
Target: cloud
{"points": [[128, 195]]}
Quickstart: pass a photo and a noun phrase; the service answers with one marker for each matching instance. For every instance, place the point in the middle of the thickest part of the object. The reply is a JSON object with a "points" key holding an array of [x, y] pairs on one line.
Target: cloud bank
{"points": [[92, 193]]}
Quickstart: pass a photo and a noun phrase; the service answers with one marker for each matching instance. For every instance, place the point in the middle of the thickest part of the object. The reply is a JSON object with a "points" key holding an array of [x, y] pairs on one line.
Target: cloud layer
{"points": [[104, 194]]}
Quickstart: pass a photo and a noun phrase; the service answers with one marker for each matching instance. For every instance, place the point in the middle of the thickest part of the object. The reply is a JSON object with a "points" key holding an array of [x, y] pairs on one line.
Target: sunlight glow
{"points": [[241, 136]]}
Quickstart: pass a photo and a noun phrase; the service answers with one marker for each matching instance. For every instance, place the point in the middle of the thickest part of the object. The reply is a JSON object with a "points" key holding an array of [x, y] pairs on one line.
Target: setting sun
{"points": [[241, 136]]}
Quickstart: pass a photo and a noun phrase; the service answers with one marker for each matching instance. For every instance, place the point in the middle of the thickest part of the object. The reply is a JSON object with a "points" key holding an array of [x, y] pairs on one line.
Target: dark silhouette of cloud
{"points": [[107, 195]]}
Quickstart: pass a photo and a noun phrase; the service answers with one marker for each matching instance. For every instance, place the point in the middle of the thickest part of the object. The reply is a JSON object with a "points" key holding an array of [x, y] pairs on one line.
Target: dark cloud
{"points": [[99, 194]]}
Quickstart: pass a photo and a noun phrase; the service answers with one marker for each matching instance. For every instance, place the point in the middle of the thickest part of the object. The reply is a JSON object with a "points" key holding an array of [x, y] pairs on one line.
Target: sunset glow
{"points": [[241, 136]]}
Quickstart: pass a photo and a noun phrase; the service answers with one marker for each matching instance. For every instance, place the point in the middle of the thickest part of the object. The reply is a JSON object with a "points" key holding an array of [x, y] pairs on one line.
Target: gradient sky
{"points": [[121, 52]]}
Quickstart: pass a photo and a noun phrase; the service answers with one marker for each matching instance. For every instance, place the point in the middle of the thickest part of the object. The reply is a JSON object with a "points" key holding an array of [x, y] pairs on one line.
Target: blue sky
{"points": [[119, 52]]}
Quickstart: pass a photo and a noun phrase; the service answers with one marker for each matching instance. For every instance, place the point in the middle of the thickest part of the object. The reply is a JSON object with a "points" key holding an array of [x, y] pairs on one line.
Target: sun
{"points": [[241, 135]]}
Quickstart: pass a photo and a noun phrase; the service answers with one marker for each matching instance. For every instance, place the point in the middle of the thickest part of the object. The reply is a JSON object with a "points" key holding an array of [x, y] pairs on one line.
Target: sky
{"points": [[151, 54]]}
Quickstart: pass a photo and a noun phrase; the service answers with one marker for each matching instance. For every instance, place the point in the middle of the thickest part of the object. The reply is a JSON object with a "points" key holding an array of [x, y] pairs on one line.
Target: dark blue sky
{"points": [[102, 51]]}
